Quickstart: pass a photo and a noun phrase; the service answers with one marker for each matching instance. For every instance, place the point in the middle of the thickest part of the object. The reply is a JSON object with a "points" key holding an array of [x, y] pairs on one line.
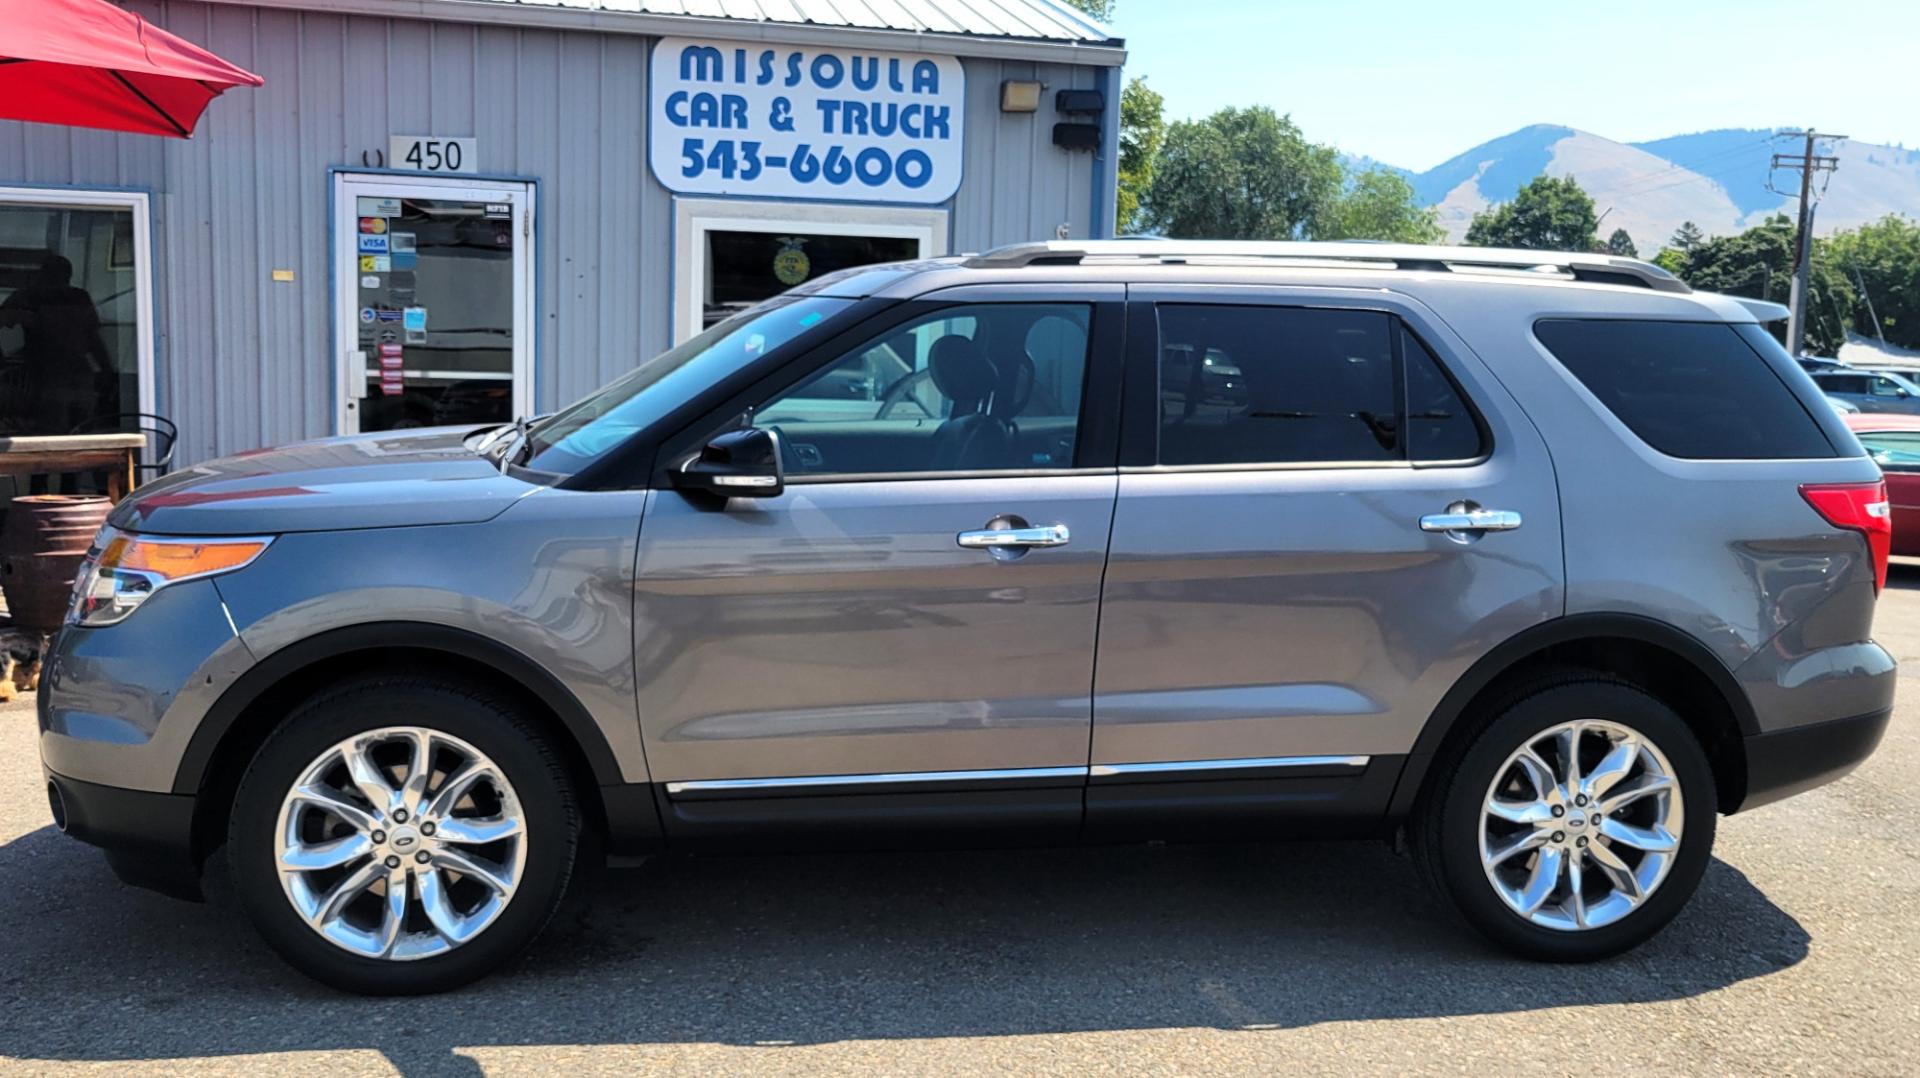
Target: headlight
{"points": [[123, 570]]}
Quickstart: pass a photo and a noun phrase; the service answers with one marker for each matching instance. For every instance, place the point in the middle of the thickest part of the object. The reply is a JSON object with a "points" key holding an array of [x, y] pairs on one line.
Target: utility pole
{"points": [[1806, 163]]}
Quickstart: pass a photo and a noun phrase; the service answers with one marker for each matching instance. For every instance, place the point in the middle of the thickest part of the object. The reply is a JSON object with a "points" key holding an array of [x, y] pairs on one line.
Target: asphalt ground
{"points": [[1800, 954]]}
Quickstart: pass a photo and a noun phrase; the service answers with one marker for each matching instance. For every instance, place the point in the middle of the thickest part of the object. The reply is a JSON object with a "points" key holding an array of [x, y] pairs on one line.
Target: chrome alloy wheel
{"points": [[1580, 825], [400, 843]]}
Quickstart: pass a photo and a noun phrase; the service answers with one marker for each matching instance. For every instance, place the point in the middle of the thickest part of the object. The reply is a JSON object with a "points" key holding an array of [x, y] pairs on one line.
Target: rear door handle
{"points": [[1461, 519], [1000, 538]]}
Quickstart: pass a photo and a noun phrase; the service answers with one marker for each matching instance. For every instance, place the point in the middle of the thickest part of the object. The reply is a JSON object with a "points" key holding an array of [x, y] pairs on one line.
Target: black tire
{"points": [[485, 721], [1444, 831]]}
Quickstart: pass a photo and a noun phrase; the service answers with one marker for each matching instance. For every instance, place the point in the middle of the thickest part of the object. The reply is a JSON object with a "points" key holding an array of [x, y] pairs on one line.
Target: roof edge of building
{"points": [[1110, 53]]}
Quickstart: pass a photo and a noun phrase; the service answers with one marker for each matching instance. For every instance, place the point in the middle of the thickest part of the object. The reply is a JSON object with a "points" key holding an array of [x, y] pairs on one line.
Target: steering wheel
{"points": [[903, 390]]}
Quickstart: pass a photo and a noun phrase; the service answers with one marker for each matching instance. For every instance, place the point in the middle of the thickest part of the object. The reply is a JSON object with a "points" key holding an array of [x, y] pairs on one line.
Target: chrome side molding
{"points": [[795, 782], [1256, 763], [1016, 774]]}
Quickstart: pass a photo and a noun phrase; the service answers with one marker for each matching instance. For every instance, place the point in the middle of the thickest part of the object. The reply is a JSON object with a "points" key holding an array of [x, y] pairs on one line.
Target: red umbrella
{"points": [[87, 63]]}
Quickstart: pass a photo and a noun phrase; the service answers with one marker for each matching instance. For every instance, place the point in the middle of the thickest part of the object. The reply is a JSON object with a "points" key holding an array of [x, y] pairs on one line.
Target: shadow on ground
{"points": [[809, 949]]}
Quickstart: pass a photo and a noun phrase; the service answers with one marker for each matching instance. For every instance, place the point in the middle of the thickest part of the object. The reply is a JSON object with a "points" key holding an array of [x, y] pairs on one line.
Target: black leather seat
{"points": [[970, 439]]}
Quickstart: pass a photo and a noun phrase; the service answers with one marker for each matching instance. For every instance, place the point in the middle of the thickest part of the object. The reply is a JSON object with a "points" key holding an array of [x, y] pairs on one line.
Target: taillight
{"points": [[1860, 507]]}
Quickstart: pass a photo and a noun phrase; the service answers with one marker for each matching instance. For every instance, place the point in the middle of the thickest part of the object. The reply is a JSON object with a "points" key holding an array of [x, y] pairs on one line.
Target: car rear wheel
{"points": [[401, 835], [1575, 824]]}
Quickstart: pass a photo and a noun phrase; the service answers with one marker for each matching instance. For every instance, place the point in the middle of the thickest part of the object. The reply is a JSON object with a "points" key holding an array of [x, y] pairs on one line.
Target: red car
{"points": [[1894, 442]]}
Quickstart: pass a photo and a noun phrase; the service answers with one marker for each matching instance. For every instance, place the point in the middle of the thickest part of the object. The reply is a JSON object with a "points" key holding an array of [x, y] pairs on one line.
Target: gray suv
{"points": [[1540, 561]]}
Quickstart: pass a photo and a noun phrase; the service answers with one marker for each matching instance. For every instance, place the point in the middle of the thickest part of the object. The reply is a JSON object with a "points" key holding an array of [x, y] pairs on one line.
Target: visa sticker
{"points": [[374, 244]]}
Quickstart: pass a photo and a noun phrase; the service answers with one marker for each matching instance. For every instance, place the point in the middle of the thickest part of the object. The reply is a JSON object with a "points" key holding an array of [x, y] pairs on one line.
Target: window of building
{"points": [[1296, 385], [1693, 390], [987, 387], [73, 305]]}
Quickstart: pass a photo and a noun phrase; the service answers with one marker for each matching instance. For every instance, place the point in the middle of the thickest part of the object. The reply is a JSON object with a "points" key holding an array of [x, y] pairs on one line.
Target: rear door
{"points": [[857, 654], [1328, 511]]}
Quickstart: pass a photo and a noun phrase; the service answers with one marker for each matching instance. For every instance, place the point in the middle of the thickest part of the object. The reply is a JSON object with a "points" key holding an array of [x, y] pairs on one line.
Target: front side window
{"points": [[1889, 387], [982, 387], [1298, 385], [69, 332]]}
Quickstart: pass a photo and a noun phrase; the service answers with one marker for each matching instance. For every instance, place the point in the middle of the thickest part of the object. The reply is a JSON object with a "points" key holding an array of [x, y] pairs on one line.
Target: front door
{"points": [[434, 294], [861, 641], [1297, 571]]}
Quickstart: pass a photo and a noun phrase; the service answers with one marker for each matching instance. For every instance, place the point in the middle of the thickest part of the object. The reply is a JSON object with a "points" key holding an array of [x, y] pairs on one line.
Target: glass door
{"points": [[435, 301], [731, 255]]}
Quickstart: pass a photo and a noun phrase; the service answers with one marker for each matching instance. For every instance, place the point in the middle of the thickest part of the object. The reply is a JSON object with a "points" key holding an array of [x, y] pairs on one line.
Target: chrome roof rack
{"points": [[1594, 268]]}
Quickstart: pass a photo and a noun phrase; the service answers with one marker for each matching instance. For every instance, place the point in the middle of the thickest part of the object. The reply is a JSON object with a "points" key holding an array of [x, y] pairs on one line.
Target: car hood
{"points": [[385, 480]]}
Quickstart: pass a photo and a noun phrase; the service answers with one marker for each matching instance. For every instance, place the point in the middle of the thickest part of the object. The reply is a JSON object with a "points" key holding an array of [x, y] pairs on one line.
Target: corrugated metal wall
{"points": [[244, 361]]}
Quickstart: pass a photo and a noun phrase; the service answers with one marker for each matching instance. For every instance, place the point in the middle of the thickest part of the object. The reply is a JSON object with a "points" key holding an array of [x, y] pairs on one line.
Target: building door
{"points": [[730, 255], [435, 299]]}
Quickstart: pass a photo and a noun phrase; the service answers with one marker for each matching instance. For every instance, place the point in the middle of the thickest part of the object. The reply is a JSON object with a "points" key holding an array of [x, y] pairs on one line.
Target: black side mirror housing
{"points": [[746, 463]]}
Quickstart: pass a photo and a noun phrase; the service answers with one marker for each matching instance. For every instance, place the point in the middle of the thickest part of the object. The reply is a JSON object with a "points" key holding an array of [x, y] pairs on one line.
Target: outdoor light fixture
{"points": [[1019, 96]]}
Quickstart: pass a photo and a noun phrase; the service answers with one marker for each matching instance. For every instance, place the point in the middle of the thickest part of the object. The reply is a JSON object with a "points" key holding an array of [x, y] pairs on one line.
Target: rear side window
{"points": [[1296, 385], [1693, 390], [1842, 383]]}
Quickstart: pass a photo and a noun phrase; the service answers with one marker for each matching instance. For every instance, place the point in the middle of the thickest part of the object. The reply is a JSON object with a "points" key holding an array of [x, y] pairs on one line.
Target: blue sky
{"points": [[1413, 82]]}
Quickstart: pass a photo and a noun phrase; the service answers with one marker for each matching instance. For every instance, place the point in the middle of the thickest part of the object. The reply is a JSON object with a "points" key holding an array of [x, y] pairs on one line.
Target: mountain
{"points": [[1716, 179]]}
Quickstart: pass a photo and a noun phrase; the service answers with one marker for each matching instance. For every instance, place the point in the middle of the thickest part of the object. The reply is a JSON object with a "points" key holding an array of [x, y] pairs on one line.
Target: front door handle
{"points": [[1003, 538], [1461, 519]]}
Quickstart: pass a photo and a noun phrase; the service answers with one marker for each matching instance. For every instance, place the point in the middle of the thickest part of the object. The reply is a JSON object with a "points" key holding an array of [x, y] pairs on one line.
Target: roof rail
{"points": [[1595, 268]]}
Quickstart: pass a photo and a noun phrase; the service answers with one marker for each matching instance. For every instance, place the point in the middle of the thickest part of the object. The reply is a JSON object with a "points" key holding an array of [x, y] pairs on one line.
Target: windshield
{"points": [[576, 435]]}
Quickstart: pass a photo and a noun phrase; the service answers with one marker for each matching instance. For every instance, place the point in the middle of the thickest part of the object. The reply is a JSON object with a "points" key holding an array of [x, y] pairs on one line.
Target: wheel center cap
{"points": [[1576, 821], [404, 839]]}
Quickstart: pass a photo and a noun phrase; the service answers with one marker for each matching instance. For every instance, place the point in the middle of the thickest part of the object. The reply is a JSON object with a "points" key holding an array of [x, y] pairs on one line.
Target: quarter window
{"points": [[1295, 385], [1693, 390], [985, 387]]}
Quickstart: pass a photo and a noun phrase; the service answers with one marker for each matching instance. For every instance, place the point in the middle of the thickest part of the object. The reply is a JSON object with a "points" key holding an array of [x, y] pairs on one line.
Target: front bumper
{"points": [[1790, 761], [147, 836]]}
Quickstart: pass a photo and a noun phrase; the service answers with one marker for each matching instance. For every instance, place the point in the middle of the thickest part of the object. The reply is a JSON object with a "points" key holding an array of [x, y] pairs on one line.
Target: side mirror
{"points": [[743, 463]]}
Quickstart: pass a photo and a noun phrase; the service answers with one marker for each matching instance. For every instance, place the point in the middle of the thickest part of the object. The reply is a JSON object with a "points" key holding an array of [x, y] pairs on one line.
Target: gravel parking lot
{"points": [[1798, 955]]}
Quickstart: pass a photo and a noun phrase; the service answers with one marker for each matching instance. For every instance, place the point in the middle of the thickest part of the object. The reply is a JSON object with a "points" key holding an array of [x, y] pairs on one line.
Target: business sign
{"points": [[849, 124]]}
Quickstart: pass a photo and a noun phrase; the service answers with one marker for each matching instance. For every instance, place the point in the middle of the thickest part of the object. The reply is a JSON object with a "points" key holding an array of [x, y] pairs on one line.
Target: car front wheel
{"points": [[401, 835]]}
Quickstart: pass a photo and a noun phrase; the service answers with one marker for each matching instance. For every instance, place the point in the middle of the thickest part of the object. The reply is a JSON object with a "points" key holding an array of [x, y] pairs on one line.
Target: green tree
{"points": [[1379, 204], [1673, 260], [1547, 215], [1883, 258], [1759, 263], [1245, 174], [1686, 237], [1099, 9], [1622, 244], [1143, 127]]}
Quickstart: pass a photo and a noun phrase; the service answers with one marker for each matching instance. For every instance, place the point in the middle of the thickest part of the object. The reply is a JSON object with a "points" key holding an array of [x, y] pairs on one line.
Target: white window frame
{"points": [[350, 389], [693, 218], [140, 204]]}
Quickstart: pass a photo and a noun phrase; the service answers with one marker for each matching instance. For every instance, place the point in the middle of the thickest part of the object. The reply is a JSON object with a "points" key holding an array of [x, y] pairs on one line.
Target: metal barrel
{"points": [[41, 548]]}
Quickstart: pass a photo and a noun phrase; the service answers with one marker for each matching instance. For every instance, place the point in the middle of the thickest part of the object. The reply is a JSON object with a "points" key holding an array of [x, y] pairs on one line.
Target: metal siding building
{"points": [[553, 94]]}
